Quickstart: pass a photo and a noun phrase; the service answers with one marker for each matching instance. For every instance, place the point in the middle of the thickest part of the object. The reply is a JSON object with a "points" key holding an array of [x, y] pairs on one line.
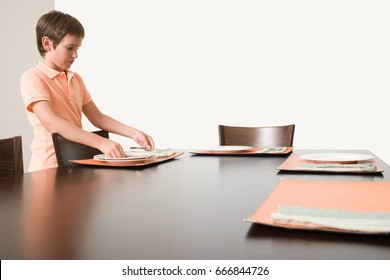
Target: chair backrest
{"points": [[272, 136], [67, 150], [11, 156]]}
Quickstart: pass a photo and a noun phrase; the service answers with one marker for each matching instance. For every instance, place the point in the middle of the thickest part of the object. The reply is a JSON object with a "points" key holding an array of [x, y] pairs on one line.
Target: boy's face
{"points": [[63, 56]]}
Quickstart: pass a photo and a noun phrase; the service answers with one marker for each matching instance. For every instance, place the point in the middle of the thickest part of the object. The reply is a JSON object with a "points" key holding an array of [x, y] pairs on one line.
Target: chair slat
{"points": [[68, 150], [11, 156], [273, 136]]}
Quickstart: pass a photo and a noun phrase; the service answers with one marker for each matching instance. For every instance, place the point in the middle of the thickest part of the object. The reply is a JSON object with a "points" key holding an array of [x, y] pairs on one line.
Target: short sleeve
{"points": [[33, 89]]}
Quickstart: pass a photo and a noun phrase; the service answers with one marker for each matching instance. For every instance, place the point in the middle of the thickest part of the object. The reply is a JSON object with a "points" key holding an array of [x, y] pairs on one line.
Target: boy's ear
{"points": [[46, 43]]}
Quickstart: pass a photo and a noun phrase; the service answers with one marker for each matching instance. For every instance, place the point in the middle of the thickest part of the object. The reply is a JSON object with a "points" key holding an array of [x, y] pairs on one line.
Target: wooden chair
{"points": [[272, 136], [11, 156], [67, 150]]}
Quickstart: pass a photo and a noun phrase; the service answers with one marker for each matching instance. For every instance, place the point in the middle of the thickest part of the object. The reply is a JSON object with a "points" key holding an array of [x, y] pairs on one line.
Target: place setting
{"points": [[331, 162], [135, 156], [360, 207], [242, 150]]}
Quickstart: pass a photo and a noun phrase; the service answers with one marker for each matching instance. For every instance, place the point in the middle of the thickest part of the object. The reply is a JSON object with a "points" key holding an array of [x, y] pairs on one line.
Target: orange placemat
{"points": [[350, 196], [293, 161], [141, 162]]}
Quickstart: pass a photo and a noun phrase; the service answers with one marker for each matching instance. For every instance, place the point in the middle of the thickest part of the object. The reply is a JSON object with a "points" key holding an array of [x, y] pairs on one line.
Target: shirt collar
{"points": [[50, 72]]}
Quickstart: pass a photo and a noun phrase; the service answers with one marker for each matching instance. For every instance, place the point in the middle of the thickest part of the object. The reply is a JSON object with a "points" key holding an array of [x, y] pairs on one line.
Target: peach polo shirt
{"points": [[67, 95]]}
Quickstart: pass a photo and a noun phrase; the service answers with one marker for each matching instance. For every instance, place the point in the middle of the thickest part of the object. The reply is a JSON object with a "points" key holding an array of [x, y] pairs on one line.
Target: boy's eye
{"points": [[71, 48]]}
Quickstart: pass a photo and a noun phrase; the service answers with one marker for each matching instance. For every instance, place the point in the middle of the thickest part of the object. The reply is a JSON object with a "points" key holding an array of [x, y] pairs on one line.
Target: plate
{"points": [[228, 148], [129, 158], [336, 157], [128, 163]]}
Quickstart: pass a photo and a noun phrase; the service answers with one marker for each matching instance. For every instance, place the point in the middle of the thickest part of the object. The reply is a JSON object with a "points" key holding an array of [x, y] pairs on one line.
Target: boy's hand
{"points": [[144, 140], [112, 149]]}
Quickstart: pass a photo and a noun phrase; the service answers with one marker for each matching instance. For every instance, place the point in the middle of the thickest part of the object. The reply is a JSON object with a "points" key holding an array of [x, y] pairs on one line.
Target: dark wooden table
{"points": [[189, 208]]}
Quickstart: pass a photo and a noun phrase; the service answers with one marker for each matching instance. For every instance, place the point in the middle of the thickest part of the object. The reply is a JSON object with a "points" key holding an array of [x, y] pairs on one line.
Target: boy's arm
{"points": [[54, 123], [107, 123]]}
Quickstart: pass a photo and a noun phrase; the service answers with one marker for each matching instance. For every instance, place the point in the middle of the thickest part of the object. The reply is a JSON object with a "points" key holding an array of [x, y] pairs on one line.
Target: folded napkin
{"points": [[367, 166], [272, 150], [370, 222], [156, 153]]}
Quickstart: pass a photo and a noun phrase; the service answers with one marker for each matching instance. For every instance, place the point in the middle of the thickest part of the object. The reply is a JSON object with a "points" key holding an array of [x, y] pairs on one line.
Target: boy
{"points": [[55, 97]]}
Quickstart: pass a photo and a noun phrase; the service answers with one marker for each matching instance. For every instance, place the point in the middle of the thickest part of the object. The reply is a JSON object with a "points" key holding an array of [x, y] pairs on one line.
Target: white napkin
{"points": [[370, 222], [157, 153], [367, 166], [272, 150]]}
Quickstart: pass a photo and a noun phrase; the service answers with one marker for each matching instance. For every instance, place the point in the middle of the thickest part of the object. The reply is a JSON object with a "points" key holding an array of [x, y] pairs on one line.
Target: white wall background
{"points": [[18, 53], [178, 68]]}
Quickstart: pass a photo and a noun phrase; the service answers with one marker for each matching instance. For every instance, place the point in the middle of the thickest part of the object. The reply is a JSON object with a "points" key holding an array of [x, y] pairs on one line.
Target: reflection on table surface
{"points": [[189, 208]]}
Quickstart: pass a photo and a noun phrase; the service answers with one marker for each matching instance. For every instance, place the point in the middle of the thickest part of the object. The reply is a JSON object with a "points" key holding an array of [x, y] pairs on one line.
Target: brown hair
{"points": [[56, 25]]}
